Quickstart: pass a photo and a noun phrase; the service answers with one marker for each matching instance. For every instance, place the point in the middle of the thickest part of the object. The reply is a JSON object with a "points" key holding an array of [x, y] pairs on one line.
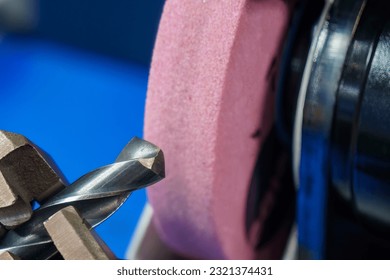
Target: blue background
{"points": [[76, 86]]}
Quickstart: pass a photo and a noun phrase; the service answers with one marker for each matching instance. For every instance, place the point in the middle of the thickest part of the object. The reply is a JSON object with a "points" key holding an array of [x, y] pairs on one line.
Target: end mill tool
{"points": [[96, 196]]}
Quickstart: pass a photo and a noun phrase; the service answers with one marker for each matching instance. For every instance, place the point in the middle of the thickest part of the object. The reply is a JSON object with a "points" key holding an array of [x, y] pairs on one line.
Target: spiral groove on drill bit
{"points": [[96, 195]]}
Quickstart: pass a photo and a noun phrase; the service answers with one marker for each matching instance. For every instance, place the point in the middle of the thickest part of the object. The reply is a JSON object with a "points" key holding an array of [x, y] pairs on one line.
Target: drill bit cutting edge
{"points": [[96, 196]]}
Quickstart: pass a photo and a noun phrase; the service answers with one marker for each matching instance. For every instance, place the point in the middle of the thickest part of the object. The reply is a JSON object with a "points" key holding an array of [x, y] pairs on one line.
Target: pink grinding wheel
{"points": [[209, 108]]}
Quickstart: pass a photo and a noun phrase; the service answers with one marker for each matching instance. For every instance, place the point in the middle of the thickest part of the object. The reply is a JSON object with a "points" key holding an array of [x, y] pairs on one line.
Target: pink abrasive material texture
{"points": [[209, 107]]}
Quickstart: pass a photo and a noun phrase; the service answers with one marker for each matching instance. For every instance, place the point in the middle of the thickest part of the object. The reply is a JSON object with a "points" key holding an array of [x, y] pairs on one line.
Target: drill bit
{"points": [[96, 196]]}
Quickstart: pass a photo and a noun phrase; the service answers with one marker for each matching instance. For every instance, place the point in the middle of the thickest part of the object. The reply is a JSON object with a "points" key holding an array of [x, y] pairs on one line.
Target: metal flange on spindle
{"points": [[341, 131]]}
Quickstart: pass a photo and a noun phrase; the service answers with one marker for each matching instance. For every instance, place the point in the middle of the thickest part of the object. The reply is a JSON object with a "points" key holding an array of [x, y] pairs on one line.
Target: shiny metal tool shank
{"points": [[96, 196]]}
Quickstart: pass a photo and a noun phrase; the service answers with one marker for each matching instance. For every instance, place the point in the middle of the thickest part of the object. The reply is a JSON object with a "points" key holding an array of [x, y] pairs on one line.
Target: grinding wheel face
{"points": [[210, 107]]}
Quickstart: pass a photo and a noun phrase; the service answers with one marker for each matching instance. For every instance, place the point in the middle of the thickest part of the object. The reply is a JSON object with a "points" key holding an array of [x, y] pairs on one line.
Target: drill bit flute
{"points": [[96, 196]]}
